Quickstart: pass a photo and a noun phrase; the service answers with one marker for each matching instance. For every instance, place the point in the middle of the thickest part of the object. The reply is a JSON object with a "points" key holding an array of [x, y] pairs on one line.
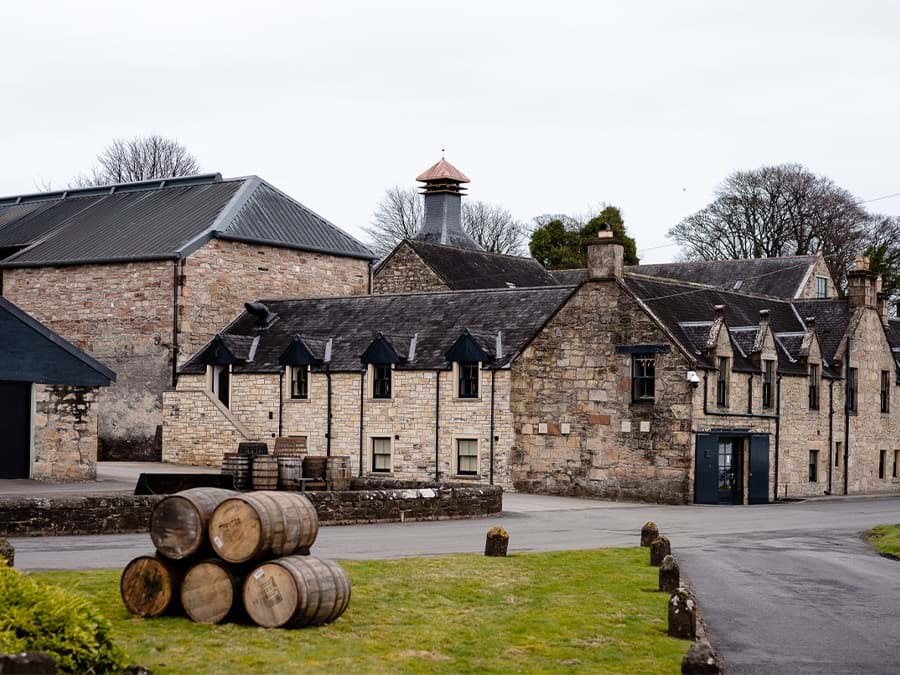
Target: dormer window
{"points": [[768, 381], [468, 376], [821, 287], [300, 382], [722, 383], [381, 381], [221, 383]]}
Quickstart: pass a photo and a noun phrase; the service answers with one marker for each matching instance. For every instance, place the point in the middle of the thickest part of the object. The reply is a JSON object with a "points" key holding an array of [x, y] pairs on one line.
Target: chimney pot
{"points": [[719, 309], [810, 321], [764, 314]]}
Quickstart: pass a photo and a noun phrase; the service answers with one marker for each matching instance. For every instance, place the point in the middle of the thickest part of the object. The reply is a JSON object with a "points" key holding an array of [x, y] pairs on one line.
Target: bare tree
{"points": [[400, 214], [776, 211], [139, 158]]}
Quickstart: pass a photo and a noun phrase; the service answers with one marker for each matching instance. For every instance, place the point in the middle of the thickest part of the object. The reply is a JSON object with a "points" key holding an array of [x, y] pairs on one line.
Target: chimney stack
{"points": [[861, 284], [443, 192], [606, 255]]}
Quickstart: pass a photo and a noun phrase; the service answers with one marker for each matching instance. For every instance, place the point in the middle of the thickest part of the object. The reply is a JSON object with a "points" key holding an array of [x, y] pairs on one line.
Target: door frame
{"points": [[746, 436]]}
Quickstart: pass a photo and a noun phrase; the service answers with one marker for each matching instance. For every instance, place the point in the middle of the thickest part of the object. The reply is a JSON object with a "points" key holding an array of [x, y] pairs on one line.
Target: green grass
{"points": [[886, 540], [594, 611]]}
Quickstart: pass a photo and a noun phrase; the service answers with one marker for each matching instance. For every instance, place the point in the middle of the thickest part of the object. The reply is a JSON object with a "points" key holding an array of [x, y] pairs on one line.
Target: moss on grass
{"points": [[591, 611], [886, 540]]}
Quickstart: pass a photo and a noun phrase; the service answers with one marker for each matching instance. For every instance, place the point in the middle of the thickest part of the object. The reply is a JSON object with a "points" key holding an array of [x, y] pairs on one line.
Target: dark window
{"points": [[885, 391], [381, 455], [643, 378], [813, 466], [851, 390], [299, 382], [837, 454], [768, 378], [221, 383], [813, 387], [882, 463], [381, 382], [896, 461], [722, 383], [467, 456], [468, 380], [821, 287]]}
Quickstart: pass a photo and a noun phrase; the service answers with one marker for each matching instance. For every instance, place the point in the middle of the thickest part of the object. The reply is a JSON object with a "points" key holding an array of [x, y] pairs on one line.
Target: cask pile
{"points": [[289, 468], [224, 555]]}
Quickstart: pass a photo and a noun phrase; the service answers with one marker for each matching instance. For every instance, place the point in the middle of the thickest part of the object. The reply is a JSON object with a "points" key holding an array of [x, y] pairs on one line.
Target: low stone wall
{"points": [[121, 514]]}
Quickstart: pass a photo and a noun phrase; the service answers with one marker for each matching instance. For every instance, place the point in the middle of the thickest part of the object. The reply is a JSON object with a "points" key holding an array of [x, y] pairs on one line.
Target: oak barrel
{"points": [[258, 525], [211, 591], [239, 467], [296, 591], [337, 472], [290, 444], [150, 586], [314, 467], [290, 471], [178, 522], [252, 448], [265, 472]]}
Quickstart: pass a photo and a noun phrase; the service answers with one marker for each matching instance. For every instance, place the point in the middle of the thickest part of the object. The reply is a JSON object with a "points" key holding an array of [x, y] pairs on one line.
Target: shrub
{"points": [[36, 616]]}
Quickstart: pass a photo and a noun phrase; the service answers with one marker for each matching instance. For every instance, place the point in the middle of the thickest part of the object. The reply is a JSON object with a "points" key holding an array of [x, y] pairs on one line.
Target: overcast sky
{"points": [[547, 106]]}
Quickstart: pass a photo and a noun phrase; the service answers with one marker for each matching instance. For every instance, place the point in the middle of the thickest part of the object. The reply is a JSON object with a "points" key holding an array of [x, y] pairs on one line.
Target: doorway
{"points": [[15, 429], [731, 468]]}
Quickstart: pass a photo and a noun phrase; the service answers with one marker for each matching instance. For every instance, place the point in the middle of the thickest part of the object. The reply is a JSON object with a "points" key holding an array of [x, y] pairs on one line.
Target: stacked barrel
{"points": [[290, 468], [222, 555]]}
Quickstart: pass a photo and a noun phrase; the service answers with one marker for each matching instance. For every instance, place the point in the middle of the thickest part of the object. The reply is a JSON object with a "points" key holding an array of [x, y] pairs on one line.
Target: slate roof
{"points": [[31, 352], [466, 269], [832, 317], [161, 219], [437, 318], [567, 277]]}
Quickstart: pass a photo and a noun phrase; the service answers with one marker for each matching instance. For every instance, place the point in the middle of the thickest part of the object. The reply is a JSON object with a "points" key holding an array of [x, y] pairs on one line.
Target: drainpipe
{"points": [[362, 398], [437, 426], [280, 401], [492, 425], [777, 430], [847, 417], [328, 419], [830, 432], [371, 276], [750, 394], [176, 283]]}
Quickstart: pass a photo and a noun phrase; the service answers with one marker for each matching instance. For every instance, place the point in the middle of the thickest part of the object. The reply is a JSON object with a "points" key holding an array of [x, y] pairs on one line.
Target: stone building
{"points": [[48, 394], [141, 275]]}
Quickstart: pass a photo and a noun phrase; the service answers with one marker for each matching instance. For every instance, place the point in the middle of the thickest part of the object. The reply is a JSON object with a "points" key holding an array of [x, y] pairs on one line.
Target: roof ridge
{"points": [[482, 251], [113, 188], [498, 289], [699, 286]]}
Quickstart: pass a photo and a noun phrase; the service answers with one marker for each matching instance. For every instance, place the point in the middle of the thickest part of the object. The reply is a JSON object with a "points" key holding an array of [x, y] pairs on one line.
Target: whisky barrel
{"points": [[239, 467], [253, 448], [290, 444], [296, 591], [150, 586], [178, 522], [314, 467], [290, 471], [337, 472], [211, 591], [265, 472], [257, 525]]}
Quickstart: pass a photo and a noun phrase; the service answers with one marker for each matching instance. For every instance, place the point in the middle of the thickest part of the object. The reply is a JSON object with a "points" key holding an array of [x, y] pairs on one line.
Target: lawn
{"points": [[886, 540], [594, 610]]}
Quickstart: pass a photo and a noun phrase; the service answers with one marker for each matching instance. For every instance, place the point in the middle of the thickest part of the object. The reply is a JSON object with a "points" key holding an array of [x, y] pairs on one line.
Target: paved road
{"points": [[785, 588]]}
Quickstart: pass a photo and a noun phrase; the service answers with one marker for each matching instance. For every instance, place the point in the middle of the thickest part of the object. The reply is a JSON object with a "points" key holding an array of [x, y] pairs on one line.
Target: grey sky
{"points": [[547, 106]]}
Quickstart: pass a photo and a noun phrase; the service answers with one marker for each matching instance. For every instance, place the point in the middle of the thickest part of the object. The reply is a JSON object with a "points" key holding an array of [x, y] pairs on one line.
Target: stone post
{"points": [[7, 552], [497, 542], [669, 574], [659, 549], [31, 663], [682, 615], [700, 660], [649, 532]]}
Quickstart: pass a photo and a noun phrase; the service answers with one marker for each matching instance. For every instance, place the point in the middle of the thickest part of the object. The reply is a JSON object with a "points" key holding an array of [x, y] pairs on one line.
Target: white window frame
{"points": [[370, 383], [825, 279], [456, 395], [455, 456], [372, 439], [289, 386], [212, 382]]}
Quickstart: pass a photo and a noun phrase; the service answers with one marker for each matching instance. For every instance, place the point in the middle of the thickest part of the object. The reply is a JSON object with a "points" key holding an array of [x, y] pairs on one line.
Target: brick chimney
{"points": [[443, 192], [606, 255], [861, 284]]}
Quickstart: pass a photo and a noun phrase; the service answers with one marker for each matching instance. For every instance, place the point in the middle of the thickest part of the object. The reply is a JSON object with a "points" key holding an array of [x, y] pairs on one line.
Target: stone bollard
{"points": [[659, 549], [682, 615], [30, 663], [7, 552], [669, 574], [497, 542], [649, 532], [700, 660]]}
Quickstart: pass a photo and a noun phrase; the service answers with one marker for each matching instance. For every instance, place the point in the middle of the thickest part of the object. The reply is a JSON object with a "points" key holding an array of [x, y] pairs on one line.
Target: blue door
{"points": [[706, 470], [759, 470]]}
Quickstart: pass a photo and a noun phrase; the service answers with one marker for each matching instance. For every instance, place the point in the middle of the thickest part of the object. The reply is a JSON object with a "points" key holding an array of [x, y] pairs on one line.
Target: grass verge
{"points": [[886, 540], [594, 611]]}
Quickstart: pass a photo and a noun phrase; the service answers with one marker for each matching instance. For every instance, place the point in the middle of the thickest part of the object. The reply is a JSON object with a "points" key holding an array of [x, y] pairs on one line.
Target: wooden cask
{"points": [[296, 591], [211, 591], [265, 472], [290, 444], [253, 448], [239, 467], [179, 522], [337, 472], [261, 525], [290, 471], [150, 586], [314, 467]]}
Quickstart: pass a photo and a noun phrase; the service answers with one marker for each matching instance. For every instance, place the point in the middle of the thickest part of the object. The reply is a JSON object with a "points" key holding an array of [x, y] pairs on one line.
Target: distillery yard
{"points": [[595, 610]]}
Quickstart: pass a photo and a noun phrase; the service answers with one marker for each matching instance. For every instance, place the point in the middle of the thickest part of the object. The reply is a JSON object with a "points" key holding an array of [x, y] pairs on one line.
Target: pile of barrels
{"points": [[223, 555], [289, 468]]}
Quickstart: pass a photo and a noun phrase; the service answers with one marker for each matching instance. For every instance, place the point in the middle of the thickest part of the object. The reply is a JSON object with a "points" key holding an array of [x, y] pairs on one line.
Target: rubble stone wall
{"points": [[65, 433]]}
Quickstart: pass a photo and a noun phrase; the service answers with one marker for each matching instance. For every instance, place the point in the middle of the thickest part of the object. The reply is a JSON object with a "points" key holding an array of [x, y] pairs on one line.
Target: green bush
{"points": [[36, 616]]}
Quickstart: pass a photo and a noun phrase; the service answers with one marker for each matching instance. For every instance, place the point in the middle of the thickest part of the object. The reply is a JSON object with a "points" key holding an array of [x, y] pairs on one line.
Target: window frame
{"points": [[768, 379], [292, 371], [824, 293], [885, 391], [456, 455], [214, 371], [896, 461], [640, 380], [813, 386], [722, 380], [852, 385], [882, 464], [813, 473], [389, 454], [374, 379], [838, 448], [460, 367]]}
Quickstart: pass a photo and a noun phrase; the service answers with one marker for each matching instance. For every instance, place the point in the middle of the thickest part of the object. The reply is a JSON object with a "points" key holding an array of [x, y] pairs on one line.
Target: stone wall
{"points": [[196, 428], [820, 269], [572, 376], [75, 515], [405, 272], [65, 433]]}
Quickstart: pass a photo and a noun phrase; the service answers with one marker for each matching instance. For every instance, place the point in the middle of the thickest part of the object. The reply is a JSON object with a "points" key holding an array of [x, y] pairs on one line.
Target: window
{"points": [[722, 383], [813, 466], [896, 461], [885, 391], [851, 390], [821, 287], [813, 386], [882, 464], [643, 378], [467, 456], [468, 379], [837, 454], [381, 381], [381, 455], [300, 382], [768, 377], [221, 383]]}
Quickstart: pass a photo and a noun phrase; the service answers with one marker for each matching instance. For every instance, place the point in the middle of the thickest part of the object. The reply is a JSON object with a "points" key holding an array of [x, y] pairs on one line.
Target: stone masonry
{"points": [[65, 433], [405, 272]]}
